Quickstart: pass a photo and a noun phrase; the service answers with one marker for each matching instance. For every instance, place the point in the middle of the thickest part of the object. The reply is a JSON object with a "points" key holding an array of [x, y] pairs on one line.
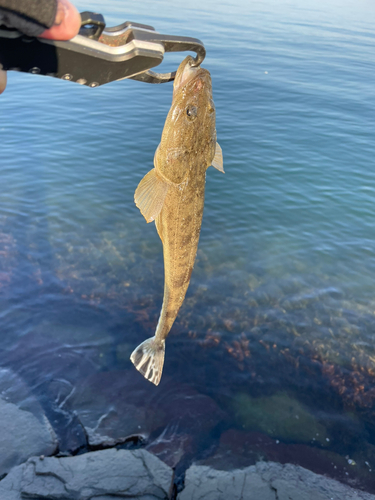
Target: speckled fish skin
{"points": [[187, 148]]}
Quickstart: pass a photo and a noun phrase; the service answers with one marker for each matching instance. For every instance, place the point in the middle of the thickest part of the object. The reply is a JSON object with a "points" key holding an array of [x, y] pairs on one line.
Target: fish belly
{"points": [[178, 225]]}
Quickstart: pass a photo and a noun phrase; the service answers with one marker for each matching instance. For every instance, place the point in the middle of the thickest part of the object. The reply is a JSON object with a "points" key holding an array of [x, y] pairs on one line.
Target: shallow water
{"points": [[279, 316]]}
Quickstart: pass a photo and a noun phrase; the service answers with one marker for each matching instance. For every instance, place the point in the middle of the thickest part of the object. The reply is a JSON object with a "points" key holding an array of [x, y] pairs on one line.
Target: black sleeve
{"points": [[31, 17]]}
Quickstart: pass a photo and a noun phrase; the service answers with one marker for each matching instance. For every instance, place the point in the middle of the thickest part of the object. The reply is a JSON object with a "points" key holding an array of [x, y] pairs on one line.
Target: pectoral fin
{"points": [[150, 195], [217, 162]]}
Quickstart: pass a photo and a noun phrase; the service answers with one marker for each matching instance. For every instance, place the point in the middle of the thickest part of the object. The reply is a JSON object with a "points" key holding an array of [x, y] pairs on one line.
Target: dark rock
{"points": [[25, 430], [10, 486], [189, 418], [239, 449], [173, 419], [173, 446], [114, 407], [265, 481], [103, 475], [53, 372]]}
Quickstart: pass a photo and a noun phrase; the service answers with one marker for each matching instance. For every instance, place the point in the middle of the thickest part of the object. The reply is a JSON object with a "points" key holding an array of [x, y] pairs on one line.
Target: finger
{"points": [[67, 22], [3, 80]]}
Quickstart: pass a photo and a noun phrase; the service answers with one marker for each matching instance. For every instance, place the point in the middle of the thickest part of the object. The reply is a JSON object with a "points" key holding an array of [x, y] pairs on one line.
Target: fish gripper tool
{"points": [[98, 54]]}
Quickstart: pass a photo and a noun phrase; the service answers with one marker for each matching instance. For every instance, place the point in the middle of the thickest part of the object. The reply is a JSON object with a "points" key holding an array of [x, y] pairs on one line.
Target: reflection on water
{"points": [[272, 355]]}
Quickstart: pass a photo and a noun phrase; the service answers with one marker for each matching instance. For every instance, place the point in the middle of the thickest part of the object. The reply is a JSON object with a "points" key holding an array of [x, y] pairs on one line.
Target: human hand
{"points": [[3, 80], [66, 25], [67, 22]]}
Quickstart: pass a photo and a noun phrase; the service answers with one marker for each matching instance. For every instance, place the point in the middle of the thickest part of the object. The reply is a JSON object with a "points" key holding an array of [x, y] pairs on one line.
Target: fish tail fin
{"points": [[148, 358]]}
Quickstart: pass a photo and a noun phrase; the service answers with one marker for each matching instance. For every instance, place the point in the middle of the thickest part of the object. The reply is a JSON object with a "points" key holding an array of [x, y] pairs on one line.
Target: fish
{"points": [[172, 195]]}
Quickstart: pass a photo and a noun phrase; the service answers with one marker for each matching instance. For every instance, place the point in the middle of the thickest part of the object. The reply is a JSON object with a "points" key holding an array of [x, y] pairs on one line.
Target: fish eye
{"points": [[191, 112]]}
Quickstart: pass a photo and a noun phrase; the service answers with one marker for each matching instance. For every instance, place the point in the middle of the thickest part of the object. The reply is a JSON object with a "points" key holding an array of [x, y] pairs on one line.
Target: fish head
{"points": [[189, 134]]}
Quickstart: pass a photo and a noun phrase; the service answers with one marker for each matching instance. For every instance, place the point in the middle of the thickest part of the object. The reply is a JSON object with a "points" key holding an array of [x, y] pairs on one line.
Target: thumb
{"points": [[67, 22], [3, 80]]}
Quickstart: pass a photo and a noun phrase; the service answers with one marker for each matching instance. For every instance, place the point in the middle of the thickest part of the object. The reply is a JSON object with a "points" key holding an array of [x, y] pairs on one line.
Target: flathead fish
{"points": [[172, 194]]}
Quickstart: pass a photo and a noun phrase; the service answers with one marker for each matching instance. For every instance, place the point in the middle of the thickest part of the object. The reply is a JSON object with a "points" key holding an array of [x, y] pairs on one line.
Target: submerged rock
{"points": [[174, 447], [239, 449], [279, 416], [52, 371], [113, 407], [173, 419], [189, 418], [265, 481], [25, 430], [98, 475]]}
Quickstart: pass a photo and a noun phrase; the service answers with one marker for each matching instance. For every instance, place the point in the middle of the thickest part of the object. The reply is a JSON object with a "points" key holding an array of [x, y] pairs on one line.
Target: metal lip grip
{"points": [[96, 55]]}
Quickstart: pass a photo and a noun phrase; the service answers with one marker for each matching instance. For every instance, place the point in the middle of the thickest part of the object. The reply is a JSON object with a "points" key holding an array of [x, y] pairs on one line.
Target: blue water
{"points": [[282, 295]]}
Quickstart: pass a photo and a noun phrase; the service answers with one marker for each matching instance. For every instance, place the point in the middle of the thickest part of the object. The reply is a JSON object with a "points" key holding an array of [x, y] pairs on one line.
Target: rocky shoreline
{"points": [[138, 474], [32, 467]]}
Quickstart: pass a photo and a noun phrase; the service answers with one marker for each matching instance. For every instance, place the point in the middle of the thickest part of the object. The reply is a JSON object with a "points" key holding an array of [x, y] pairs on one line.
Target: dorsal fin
{"points": [[150, 195], [217, 162]]}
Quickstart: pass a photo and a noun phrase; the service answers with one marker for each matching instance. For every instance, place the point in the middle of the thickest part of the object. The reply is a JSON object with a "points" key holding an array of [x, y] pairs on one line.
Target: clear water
{"points": [[281, 303]]}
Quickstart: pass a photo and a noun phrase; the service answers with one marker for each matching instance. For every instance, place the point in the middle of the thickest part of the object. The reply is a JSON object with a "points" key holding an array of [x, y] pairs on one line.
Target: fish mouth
{"points": [[186, 73]]}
